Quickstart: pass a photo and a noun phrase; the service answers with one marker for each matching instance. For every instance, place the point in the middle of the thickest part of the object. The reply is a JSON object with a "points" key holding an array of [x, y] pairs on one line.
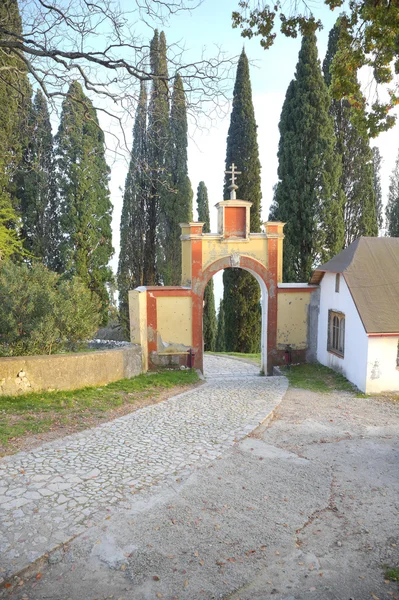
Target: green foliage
{"points": [[241, 291], [370, 38], [377, 161], [158, 151], [220, 345], [203, 207], [36, 188], [10, 242], [392, 573], [86, 245], [177, 205], [41, 313], [15, 94], [317, 378], [241, 301], [392, 209], [353, 147], [308, 197], [209, 318], [133, 219]]}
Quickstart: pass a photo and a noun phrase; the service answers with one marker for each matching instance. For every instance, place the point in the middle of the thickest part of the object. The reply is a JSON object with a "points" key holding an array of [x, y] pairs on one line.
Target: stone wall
{"points": [[21, 374]]}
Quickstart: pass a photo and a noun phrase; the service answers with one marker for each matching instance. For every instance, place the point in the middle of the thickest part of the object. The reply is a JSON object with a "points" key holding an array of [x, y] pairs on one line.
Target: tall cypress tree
{"points": [[177, 205], [377, 161], [392, 209], [241, 295], [308, 197], [209, 315], [356, 180], [158, 151], [15, 100], [221, 334], [84, 194], [36, 188], [134, 210]]}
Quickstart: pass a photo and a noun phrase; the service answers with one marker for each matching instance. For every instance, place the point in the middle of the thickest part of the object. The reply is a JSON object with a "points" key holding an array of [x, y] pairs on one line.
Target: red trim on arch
{"points": [[269, 276]]}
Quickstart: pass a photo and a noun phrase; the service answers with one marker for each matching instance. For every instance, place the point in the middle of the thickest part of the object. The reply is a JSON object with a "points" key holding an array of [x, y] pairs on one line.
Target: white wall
{"points": [[354, 364], [382, 372]]}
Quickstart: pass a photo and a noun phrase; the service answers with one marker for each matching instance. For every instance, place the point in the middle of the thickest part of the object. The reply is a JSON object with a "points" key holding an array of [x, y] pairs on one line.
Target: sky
{"points": [[208, 27]]}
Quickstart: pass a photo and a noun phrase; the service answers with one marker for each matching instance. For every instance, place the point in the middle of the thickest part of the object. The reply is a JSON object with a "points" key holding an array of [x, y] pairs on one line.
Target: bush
{"points": [[41, 313]]}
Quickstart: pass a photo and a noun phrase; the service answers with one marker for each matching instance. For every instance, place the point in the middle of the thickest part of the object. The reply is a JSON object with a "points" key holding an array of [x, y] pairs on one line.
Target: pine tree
{"points": [[308, 197], [392, 209], [158, 151], [177, 205], [377, 161], [356, 180], [241, 295], [36, 188], [15, 99], [134, 210], [83, 186], [209, 315], [221, 335]]}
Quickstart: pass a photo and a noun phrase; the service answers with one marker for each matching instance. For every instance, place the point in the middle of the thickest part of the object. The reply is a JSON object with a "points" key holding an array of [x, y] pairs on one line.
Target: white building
{"points": [[358, 324]]}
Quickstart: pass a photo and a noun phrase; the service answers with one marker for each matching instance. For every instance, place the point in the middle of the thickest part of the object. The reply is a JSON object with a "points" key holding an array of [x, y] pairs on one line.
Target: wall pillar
{"points": [[275, 236]]}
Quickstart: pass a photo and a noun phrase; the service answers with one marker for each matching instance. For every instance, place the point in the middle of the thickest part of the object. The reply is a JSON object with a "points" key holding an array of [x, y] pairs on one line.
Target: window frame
{"points": [[336, 333], [337, 282]]}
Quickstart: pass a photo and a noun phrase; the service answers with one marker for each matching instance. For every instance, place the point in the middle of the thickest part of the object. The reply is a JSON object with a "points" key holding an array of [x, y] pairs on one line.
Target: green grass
{"points": [[317, 378], [253, 357], [392, 574], [39, 412]]}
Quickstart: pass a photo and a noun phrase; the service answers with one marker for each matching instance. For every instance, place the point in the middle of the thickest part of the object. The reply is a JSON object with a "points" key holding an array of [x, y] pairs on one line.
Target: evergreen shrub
{"points": [[42, 313]]}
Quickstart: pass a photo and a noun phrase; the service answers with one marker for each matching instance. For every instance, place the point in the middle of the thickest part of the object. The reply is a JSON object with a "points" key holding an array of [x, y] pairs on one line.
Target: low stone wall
{"points": [[21, 374]]}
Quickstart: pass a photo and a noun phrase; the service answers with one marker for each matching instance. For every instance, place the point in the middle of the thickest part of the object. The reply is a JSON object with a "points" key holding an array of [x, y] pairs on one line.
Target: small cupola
{"points": [[233, 214]]}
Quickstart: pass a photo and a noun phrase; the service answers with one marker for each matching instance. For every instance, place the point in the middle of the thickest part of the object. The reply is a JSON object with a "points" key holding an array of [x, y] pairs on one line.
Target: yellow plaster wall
{"points": [[174, 321], [292, 319], [186, 263], [214, 249], [138, 322]]}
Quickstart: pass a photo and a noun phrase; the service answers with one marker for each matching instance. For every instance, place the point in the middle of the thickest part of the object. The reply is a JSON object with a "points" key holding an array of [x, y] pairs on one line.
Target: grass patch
{"points": [[39, 412], [317, 378], [252, 357], [392, 574]]}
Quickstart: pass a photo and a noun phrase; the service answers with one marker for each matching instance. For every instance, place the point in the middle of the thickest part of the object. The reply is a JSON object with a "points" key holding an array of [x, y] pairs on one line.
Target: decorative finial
{"points": [[233, 187]]}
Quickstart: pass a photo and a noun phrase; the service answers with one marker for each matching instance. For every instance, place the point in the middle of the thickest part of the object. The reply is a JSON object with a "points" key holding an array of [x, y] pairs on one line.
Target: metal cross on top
{"points": [[233, 187]]}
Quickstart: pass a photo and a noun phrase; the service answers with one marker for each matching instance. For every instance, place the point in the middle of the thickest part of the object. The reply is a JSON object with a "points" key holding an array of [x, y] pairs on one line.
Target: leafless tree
{"points": [[107, 48]]}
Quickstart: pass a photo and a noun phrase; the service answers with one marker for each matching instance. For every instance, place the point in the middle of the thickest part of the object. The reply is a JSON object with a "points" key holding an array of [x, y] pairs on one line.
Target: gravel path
{"points": [[54, 493]]}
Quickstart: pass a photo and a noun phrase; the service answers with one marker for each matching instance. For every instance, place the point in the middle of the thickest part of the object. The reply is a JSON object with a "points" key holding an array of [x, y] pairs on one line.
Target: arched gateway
{"points": [[167, 321]]}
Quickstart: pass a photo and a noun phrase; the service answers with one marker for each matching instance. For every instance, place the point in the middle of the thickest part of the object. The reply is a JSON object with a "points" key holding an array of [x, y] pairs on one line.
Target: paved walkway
{"points": [[55, 492]]}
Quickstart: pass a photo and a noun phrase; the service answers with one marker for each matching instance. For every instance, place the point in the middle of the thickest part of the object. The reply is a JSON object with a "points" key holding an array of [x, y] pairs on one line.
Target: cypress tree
{"points": [[209, 315], [85, 208], [392, 209], [36, 188], [158, 150], [241, 294], [353, 148], [308, 197], [15, 100], [133, 218], [221, 334], [177, 205], [377, 161]]}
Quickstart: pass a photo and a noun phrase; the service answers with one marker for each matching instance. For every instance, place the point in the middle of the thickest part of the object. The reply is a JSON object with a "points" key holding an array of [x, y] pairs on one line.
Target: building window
{"points": [[336, 332], [337, 279]]}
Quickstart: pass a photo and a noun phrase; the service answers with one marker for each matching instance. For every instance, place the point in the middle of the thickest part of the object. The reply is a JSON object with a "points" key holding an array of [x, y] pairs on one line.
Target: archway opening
{"points": [[231, 293]]}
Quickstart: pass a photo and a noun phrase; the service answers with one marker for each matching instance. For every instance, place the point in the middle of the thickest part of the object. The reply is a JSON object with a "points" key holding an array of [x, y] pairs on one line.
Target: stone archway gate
{"points": [[167, 321]]}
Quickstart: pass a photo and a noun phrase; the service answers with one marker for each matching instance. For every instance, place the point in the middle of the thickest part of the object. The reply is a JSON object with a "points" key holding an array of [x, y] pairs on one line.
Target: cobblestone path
{"points": [[55, 492]]}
